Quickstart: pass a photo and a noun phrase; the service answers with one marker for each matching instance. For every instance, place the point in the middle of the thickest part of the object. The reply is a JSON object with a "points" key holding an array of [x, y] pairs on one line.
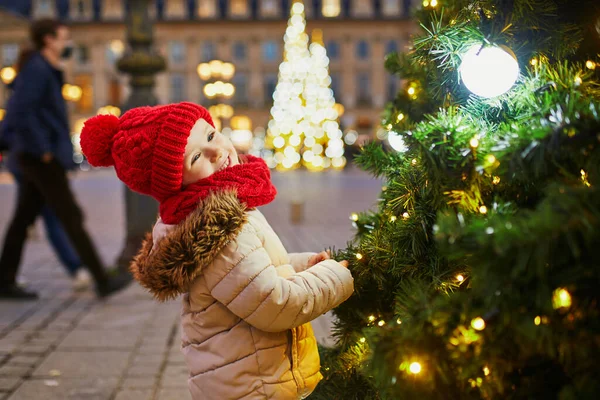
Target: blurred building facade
{"points": [[247, 33]]}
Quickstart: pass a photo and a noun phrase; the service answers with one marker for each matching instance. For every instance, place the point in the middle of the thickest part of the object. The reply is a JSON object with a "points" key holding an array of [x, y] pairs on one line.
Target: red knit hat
{"points": [[146, 145]]}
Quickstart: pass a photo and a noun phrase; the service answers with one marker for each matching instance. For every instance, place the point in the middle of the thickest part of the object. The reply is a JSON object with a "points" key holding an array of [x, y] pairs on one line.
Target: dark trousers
{"points": [[46, 184]]}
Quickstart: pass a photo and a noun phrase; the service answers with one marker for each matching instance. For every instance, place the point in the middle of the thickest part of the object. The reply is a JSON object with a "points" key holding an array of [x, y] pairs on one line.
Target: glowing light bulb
{"points": [[561, 298], [411, 91], [362, 340], [474, 142], [415, 368], [496, 180], [483, 209], [406, 215], [414, 161], [489, 71], [381, 323], [400, 117], [478, 324], [354, 217], [590, 64], [359, 256], [8, 74], [460, 278], [393, 218], [371, 318], [486, 371], [537, 320]]}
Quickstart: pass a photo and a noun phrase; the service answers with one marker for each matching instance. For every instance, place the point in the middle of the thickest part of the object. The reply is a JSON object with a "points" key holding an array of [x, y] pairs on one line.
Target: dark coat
{"points": [[36, 120]]}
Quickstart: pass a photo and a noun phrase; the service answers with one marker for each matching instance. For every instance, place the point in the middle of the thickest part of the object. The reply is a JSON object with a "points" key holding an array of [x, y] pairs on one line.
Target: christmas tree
{"points": [[303, 130], [477, 275]]}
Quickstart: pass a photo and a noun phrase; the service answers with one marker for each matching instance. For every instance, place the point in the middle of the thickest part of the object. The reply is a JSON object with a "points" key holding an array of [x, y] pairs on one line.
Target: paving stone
{"points": [[100, 340], [143, 370], [174, 376], [171, 394], [97, 388], [24, 360], [135, 394], [14, 370], [74, 364], [139, 382], [9, 383], [35, 348]]}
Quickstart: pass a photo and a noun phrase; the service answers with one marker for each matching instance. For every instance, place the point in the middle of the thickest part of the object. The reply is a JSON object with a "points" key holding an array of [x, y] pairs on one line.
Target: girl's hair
{"points": [[37, 33]]}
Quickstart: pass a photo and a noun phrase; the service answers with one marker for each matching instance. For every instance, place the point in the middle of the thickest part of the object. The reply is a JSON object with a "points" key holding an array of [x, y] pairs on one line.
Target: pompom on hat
{"points": [[146, 145]]}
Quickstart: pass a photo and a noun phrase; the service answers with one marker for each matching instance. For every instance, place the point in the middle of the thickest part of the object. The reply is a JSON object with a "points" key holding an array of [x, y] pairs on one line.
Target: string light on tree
{"points": [[489, 71], [415, 368], [396, 141], [478, 324], [561, 298]]}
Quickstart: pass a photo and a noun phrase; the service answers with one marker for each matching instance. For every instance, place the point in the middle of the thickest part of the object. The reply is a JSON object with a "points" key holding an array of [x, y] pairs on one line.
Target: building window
{"points": [[239, 9], [82, 54], [177, 88], [240, 81], [331, 8], [240, 51], [81, 9], [391, 46], [362, 50], [10, 53], [208, 51], [335, 84], [333, 49], [176, 52], [363, 84], [86, 102], [270, 84], [362, 8], [270, 50], [391, 8], [269, 8], [44, 8], [207, 8]]}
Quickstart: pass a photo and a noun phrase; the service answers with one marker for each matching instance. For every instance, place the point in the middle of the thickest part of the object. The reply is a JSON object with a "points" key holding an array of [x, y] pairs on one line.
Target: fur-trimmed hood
{"points": [[182, 254]]}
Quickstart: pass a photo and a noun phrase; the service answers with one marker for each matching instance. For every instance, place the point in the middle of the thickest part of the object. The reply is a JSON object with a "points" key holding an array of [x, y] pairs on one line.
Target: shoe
{"points": [[114, 285], [14, 292], [82, 280]]}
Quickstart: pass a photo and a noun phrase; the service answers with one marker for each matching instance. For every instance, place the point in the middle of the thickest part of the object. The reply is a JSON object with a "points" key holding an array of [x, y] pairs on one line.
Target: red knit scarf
{"points": [[251, 178]]}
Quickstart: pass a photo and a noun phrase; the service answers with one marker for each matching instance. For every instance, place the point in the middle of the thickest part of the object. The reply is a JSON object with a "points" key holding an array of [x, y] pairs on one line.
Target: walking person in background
{"points": [[57, 236], [41, 146]]}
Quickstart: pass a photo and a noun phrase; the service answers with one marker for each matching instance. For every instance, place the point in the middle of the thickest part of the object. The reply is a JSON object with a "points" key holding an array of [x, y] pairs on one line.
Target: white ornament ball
{"points": [[489, 72], [396, 141]]}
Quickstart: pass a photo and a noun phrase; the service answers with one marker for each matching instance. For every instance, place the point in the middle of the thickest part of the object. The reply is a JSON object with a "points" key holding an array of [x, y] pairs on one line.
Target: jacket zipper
{"points": [[290, 337]]}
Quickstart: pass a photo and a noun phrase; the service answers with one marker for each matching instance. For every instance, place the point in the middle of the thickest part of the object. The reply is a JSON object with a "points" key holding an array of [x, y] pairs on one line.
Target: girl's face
{"points": [[207, 151]]}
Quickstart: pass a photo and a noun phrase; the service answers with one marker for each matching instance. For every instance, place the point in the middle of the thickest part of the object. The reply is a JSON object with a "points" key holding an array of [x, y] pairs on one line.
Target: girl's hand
{"points": [[317, 258]]}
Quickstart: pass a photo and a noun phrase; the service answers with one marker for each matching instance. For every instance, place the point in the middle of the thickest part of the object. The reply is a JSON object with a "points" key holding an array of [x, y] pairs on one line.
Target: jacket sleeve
{"points": [[243, 278], [299, 261], [27, 97]]}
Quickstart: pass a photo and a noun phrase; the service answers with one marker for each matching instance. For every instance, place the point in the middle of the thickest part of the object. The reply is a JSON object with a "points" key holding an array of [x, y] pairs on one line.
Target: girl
{"points": [[247, 303]]}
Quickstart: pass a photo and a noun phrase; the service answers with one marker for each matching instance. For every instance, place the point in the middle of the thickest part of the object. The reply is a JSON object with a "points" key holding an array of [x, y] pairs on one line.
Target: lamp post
{"points": [[141, 63], [216, 75]]}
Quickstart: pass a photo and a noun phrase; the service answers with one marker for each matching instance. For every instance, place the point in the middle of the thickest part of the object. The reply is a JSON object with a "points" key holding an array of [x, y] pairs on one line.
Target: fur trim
{"points": [[179, 258]]}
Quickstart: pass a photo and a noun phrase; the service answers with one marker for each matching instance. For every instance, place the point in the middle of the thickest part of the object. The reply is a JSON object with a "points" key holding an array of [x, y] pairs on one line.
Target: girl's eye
{"points": [[195, 158], [211, 136]]}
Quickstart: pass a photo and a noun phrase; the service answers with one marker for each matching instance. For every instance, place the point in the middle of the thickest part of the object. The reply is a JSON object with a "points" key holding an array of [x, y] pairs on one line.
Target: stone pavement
{"points": [[72, 346]]}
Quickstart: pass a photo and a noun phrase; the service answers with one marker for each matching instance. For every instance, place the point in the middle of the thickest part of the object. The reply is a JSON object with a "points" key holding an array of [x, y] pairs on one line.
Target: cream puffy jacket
{"points": [[247, 303]]}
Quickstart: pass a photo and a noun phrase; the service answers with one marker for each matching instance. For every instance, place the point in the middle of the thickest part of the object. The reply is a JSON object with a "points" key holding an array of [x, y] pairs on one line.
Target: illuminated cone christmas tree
{"points": [[303, 129]]}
